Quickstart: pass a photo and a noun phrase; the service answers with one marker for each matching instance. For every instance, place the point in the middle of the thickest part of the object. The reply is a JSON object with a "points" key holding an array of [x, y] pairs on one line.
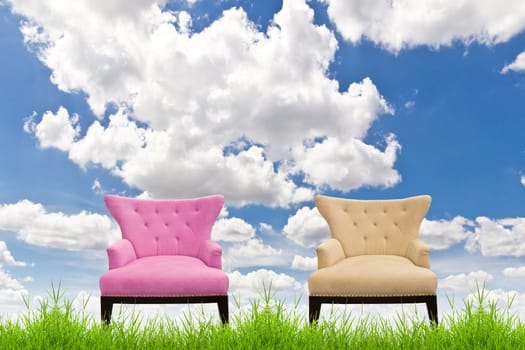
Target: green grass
{"points": [[267, 324]]}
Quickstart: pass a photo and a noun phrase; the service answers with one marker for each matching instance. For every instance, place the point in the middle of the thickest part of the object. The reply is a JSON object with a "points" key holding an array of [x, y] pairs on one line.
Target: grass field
{"points": [[266, 325]]}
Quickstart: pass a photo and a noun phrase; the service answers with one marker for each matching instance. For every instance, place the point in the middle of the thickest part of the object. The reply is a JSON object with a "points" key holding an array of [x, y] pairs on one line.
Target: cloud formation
{"points": [[230, 109], [464, 282], [517, 66], [503, 237], [304, 263], [404, 24], [251, 284], [6, 258], [307, 227], [34, 225], [442, 234]]}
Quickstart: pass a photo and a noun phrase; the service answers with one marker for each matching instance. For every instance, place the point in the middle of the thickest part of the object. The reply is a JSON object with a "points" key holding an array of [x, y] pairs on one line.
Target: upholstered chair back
{"points": [[367, 227], [165, 227]]}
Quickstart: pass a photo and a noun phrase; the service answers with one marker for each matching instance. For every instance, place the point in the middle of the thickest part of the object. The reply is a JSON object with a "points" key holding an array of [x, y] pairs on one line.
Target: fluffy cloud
{"points": [[442, 234], [307, 227], [224, 110], [514, 272], [517, 66], [252, 253], [304, 263], [34, 225], [468, 281], [11, 293], [347, 165], [498, 237], [251, 284], [232, 230], [400, 24], [6, 258], [54, 130]]}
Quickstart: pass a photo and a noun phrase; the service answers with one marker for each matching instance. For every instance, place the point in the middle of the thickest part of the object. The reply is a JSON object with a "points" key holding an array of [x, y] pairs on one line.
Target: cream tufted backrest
{"points": [[367, 227]]}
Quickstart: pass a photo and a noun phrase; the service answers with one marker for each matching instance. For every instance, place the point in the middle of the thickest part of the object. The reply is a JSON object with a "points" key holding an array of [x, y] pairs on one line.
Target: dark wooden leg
{"points": [[222, 302], [106, 307], [432, 309], [314, 308]]}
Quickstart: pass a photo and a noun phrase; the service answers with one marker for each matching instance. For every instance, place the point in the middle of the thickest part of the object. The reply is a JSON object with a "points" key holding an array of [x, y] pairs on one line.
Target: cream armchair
{"points": [[374, 255]]}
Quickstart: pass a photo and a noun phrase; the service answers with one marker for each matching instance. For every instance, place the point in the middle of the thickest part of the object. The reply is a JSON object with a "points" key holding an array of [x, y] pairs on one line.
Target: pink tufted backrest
{"points": [[165, 227]]}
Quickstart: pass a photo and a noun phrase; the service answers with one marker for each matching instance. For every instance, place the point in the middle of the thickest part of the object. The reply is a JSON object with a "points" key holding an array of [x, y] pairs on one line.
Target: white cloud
{"points": [[442, 234], [348, 165], [307, 227], [514, 272], [498, 237], [252, 253], [469, 281], [502, 300], [34, 225], [304, 263], [232, 230], [6, 258], [401, 24], [523, 180], [517, 66], [226, 83], [11, 294], [251, 285], [264, 227], [105, 146], [54, 130], [7, 282]]}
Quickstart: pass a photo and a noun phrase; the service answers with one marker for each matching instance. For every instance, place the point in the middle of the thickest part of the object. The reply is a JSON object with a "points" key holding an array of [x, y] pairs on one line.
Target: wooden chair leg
{"points": [[106, 308], [222, 303], [314, 309], [432, 309]]}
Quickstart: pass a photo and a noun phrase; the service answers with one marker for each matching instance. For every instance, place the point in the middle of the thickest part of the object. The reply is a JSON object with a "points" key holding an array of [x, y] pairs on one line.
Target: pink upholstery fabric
{"points": [[164, 276], [120, 253], [166, 248]]}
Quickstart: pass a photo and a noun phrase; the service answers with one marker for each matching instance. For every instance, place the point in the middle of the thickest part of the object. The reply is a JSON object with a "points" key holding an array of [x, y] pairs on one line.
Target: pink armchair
{"points": [[165, 255]]}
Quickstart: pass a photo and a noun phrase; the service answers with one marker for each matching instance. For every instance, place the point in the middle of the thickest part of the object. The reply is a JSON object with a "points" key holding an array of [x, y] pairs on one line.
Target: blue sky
{"points": [[268, 103]]}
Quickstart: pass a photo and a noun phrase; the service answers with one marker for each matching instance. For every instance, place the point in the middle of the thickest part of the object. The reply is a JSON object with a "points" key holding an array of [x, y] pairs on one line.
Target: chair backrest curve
{"points": [[367, 227], [165, 227]]}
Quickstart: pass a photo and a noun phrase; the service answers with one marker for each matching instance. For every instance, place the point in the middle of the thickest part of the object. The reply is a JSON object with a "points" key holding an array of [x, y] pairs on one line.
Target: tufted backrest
{"points": [[374, 226], [165, 227]]}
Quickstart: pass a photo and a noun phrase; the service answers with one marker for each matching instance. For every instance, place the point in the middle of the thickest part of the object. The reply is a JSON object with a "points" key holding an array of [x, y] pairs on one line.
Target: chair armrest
{"points": [[121, 253], [419, 252], [210, 252], [329, 253]]}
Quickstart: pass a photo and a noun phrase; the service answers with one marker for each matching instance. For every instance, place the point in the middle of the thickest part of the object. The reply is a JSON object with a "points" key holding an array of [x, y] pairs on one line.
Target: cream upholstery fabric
{"points": [[374, 249]]}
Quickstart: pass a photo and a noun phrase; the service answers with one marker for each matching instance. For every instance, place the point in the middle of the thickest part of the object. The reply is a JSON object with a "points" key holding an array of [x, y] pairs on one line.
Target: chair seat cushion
{"points": [[373, 275], [165, 275]]}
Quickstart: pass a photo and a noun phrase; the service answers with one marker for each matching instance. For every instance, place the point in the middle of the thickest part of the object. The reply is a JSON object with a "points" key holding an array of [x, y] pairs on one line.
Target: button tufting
{"points": [[365, 238], [166, 224], [156, 238], [146, 224]]}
